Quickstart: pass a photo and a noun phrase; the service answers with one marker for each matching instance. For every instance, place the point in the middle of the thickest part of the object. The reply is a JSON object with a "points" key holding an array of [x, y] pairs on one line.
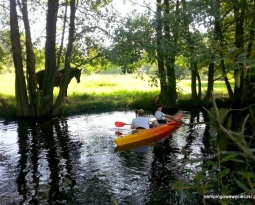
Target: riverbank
{"points": [[80, 104], [98, 93]]}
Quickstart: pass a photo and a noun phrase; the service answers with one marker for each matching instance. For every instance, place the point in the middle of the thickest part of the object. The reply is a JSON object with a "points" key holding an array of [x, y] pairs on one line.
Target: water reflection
{"points": [[44, 150], [161, 179], [73, 161], [185, 142]]}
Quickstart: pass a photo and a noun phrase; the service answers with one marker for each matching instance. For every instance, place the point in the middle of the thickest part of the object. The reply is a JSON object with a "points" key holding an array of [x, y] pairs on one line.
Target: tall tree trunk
{"points": [[239, 43], [219, 37], [63, 36], [65, 79], [20, 82], [249, 89], [199, 86], [166, 57], [210, 83], [169, 63], [195, 99], [31, 80], [229, 88], [160, 55], [194, 95], [50, 57]]}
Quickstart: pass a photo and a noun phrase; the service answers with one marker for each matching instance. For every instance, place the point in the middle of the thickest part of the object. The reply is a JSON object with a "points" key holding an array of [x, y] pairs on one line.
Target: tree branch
{"points": [[92, 28], [143, 6], [240, 145]]}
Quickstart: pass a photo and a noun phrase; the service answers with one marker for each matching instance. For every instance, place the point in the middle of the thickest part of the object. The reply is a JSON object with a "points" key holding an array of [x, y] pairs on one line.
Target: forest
{"points": [[213, 38]]}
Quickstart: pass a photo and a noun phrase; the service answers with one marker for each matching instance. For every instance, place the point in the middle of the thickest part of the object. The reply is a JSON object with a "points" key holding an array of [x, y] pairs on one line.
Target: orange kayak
{"points": [[145, 134]]}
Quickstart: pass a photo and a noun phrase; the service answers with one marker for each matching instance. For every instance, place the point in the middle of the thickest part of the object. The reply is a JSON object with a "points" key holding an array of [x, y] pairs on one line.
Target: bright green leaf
{"points": [[212, 163], [241, 185], [216, 179], [224, 172], [228, 158], [238, 78], [238, 160]]}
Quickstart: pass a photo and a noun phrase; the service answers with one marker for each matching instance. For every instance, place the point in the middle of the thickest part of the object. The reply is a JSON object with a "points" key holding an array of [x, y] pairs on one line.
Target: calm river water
{"points": [[72, 160]]}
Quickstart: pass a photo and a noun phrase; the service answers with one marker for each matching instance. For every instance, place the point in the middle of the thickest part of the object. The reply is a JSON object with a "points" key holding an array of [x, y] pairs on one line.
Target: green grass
{"points": [[108, 84], [108, 92], [220, 89]]}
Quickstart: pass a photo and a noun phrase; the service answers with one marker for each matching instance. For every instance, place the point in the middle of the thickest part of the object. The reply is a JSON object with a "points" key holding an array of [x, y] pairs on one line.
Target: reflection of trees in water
{"points": [[192, 132], [201, 137], [132, 159], [51, 139], [23, 138], [162, 179]]}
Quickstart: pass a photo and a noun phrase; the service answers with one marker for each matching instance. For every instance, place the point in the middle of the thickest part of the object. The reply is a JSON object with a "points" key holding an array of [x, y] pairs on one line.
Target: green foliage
{"points": [[131, 41], [105, 40], [5, 51], [40, 59], [209, 178], [224, 174], [241, 185]]}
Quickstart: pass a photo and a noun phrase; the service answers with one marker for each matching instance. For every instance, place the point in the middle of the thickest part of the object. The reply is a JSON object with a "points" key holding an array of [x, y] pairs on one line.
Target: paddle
{"points": [[177, 117], [120, 124], [118, 133]]}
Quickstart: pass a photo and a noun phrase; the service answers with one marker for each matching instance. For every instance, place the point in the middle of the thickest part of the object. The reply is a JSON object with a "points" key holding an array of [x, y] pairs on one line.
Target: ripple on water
{"points": [[78, 162]]}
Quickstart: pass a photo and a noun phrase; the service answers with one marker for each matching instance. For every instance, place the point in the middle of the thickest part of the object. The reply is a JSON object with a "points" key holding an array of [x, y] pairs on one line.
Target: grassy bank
{"points": [[107, 92]]}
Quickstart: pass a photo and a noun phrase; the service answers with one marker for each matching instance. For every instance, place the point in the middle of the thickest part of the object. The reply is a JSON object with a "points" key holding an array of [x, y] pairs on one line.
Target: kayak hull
{"points": [[146, 142], [145, 134]]}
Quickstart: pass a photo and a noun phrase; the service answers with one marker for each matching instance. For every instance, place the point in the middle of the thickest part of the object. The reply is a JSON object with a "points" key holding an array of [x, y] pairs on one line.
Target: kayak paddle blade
{"points": [[119, 124]]}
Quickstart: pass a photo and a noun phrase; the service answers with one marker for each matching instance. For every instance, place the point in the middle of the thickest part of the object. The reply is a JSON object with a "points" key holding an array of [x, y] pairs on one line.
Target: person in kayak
{"points": [[162, 117], [141, 121]]}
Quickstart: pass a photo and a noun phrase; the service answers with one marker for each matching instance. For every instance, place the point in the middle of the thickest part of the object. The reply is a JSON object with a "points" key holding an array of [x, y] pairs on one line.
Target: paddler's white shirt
{"points": [[159, 115], [140, 122]]}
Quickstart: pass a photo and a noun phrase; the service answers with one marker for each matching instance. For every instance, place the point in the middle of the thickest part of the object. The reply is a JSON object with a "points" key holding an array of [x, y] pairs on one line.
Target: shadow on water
{"points": [[169, 161], [51, 139], [171, 153], [161, 179]]}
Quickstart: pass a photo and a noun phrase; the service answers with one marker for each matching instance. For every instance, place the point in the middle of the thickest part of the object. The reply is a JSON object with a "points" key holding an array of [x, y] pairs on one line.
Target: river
{"points": [[73, 160]]}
